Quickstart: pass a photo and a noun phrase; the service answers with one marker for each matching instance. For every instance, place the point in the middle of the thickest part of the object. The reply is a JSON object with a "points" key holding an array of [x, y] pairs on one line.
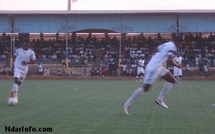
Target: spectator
{"points": [[111, 67], [54, 57], [10, 71], [59, 73], [97, 72], [46, 71], [124, 68], [3, 71], [84, 72], [64, 73], [206, 68], [201, 68], [40, 69], [197, 61], [128, 70], [214, 62], [106, 69], [93, 72], [187, 70], [103, 72], [115, 69], [71, 74], [85, 62]]}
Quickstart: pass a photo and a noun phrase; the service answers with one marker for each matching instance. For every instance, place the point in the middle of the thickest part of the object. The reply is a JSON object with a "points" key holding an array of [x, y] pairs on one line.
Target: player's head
{"points": [[178, 54], [178, 41], [25, 45]]}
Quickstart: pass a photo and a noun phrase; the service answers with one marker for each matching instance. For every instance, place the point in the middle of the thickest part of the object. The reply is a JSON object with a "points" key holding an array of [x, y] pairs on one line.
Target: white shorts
{"points": [[152, 75], [140, 71], [20, 73], [177, 72]]}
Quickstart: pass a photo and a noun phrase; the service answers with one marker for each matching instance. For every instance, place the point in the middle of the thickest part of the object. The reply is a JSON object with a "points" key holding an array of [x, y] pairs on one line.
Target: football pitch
{"points": [[94, 107]]}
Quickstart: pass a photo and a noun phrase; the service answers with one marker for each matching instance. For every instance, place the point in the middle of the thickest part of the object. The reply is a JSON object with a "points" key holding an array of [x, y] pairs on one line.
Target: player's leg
{"points": [[179, 76], [138, 75], [141, 76], [137, 93], [20, 80], [176, 83], [166, 88], [137, 78], [175, 73], [19, 76], [14, 90], [149, 79], [177, 80]]}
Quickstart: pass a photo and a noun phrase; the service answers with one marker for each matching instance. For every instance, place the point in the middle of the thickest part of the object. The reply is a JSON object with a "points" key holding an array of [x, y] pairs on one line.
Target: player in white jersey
{"points": [[155, 69], [177, 72], [22, 57], [140, 70]]}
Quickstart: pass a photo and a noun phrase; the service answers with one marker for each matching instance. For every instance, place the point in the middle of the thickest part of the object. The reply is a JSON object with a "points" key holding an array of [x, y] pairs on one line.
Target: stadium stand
{"points": [[93, 52]]}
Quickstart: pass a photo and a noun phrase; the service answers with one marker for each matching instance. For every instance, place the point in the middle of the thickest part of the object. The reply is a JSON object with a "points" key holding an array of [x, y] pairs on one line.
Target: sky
{"points": [[107, 4]]}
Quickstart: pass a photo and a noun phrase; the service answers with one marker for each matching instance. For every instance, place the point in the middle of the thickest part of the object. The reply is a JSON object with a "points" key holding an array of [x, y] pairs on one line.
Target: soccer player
{"points": [[155, 69], [22, 57], [177, 72], [140, 70]]}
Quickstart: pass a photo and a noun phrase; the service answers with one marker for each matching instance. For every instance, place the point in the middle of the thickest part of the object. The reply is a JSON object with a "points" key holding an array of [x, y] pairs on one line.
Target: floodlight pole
{"points": [[120, 53], [177, 25], [120, 44], [68, 5], [177, 28], [67, 55], [12, 43]]}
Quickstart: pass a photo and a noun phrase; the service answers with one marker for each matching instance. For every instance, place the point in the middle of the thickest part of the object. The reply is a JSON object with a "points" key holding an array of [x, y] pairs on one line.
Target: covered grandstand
{"points": [[100, 38]]}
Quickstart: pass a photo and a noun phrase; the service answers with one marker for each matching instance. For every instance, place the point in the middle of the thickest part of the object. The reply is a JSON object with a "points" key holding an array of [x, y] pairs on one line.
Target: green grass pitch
{"points": [[94, 107]]}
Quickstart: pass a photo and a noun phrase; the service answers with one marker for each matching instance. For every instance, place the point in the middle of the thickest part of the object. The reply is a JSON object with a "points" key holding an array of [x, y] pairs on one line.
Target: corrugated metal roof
{"points": [[103, 11]]}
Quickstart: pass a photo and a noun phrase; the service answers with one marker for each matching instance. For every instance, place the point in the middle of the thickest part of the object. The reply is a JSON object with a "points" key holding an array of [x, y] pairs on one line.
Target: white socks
{"points": [[140, 91], [178, 79], [137, 77], [166, 88], [15, 90]]}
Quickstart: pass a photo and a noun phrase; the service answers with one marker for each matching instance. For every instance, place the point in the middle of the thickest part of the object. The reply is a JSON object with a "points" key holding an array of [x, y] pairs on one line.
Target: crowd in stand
{"points": [[55, 51], [196, 50]]}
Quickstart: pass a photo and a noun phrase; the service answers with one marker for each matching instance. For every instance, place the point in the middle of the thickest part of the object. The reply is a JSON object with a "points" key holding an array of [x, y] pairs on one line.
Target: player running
{"points": [[154, 70], [22, 57]]}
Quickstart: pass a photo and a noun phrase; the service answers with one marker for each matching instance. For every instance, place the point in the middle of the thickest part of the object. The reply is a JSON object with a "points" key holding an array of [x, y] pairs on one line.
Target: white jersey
{"points": [[177, 60], [23, 55], [180, 58], [161, 55], [40, 68], [140, 64], [124, 67]]}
